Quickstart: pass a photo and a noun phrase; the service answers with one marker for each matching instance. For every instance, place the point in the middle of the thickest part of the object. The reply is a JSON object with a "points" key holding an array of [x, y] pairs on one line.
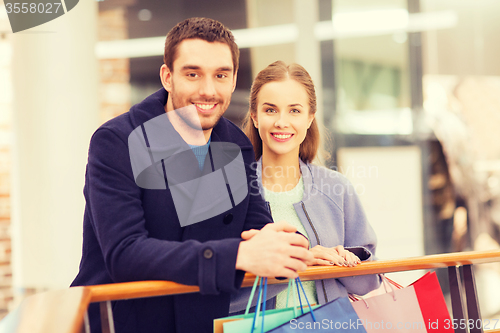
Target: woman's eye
{"points": [[270, 110], [295, 111]]}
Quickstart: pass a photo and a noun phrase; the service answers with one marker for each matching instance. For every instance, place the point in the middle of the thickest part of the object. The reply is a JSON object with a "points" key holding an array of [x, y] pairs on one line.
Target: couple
{"points": [[133, 232]]}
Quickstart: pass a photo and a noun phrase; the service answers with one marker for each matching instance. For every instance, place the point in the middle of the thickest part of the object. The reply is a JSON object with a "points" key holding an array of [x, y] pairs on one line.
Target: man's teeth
{"points": [[205, 106], [282, 136]]}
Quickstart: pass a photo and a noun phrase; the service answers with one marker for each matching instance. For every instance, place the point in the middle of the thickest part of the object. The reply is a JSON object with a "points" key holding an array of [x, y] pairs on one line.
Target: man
{"points": [[135, 233]]}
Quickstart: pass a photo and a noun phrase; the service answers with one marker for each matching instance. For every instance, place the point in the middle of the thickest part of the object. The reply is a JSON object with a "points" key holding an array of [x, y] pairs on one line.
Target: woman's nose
{"points": [[282, 121]]}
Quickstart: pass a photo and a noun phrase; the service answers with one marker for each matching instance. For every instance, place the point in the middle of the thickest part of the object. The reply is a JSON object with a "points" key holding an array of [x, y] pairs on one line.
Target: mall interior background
{"points": [[409, 101]]}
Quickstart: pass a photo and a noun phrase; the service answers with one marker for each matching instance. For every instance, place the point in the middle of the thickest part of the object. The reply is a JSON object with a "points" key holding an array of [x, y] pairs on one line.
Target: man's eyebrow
{"points": [[196, 67], [190, 67]]}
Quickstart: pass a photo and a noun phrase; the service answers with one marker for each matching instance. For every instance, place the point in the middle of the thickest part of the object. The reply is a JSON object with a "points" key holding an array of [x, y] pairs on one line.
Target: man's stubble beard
{"points": [[195, 121]]}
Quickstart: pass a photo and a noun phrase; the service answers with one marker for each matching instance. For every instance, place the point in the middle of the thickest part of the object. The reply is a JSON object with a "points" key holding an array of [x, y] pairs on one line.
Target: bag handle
{"points": [[305, 296], [250, 299], [291, 286], [385, 281], [263, 294]]}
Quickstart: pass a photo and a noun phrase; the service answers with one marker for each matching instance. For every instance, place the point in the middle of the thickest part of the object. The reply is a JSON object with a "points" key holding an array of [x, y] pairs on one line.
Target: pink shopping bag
{"points": [[419, 307]]}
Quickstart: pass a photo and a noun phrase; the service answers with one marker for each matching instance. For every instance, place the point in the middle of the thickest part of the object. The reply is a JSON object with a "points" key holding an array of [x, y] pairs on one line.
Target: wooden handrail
{"points": [[62, 311], [127, 290]]}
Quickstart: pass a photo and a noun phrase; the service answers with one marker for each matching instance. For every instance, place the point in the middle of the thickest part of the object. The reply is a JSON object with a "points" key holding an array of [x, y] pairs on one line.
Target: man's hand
{"points": [[275, 250], [246, 235]]}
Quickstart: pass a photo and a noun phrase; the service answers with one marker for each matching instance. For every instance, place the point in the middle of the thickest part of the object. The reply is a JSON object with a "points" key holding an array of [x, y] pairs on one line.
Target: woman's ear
{"points": [[254, 120], [311, 119]]}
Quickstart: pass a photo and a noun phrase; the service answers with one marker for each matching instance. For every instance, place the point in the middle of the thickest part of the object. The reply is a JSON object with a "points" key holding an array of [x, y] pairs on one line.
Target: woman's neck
{"points": [[280, 173]]}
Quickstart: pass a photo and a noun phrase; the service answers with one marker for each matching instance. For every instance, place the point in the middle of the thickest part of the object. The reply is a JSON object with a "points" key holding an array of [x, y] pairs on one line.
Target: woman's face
{"points": [[282, 117]]}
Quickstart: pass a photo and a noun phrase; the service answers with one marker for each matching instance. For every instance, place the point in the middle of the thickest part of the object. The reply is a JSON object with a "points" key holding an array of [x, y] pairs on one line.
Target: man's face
{"points": [[202, 78]]}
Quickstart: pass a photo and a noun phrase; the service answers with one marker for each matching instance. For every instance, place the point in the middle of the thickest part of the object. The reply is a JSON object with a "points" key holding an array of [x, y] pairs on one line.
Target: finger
{"points": [[338, 260], [286, 273], [246, 235], [322, 262], [296, 240], [352, 259], [356, 258], [300, 253], [341, 251], [294, 264], [281, 226], [330, 256]]}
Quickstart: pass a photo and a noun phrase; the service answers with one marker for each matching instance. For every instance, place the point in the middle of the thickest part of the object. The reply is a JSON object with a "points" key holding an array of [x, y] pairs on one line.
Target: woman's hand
{"points": [[326, 256], [333, 256], [350, 258]]}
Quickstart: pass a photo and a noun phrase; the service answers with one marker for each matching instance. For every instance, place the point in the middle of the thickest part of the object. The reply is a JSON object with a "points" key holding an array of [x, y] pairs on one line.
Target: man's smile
{"points": [[205, 107]]}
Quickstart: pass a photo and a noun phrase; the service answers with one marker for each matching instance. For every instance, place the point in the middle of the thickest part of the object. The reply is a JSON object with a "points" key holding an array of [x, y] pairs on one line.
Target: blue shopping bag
{"points": [[335, 315]]}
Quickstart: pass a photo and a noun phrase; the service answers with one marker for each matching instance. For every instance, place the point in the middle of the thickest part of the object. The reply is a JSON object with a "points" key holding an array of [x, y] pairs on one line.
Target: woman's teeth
{"points": [[282, 136]]}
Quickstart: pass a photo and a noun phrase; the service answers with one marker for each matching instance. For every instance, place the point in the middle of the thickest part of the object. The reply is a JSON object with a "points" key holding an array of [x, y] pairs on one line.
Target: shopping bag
{"points": [[332, 316], [244, 322], [420, 307]]}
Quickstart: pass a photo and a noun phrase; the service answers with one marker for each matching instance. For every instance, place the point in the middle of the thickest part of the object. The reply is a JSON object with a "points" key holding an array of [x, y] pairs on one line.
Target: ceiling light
{"points": [[144, 15]]}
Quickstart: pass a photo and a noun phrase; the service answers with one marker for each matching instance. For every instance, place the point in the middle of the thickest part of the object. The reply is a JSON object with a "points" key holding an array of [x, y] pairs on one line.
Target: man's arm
{"points": [[115, 207]]}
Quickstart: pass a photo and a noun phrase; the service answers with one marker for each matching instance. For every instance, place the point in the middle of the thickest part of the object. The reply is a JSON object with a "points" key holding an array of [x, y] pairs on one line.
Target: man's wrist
{"points": [[241, 257]]}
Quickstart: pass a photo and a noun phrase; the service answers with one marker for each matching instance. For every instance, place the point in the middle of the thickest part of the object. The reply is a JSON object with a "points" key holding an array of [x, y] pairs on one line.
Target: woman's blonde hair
{"points": [[279, 71]]}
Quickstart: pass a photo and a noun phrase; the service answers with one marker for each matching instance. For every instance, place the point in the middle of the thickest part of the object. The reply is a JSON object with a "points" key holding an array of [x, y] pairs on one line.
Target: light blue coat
{"points": [[332, 215]]}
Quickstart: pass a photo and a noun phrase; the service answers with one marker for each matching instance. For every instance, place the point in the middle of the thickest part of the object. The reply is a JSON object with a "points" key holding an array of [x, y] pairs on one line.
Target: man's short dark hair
{"points": [[202, 28]]}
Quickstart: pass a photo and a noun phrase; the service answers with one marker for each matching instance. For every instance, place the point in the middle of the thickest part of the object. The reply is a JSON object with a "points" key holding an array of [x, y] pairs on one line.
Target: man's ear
{"points": [[166, 78], [234, 80]]}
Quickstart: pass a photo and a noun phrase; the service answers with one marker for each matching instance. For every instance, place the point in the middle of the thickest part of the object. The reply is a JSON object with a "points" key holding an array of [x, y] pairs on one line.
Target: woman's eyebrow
{"points": [[270, 104], [289, 105]]}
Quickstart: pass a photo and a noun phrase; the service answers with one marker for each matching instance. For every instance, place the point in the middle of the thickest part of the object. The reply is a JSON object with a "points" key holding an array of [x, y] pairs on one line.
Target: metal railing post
{"points": [[457, 303], [475, 322], [107, 323]]}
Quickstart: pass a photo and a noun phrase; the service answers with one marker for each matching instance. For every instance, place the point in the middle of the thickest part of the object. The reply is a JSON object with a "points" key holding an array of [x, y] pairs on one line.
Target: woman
{"points": [[322, 203]]}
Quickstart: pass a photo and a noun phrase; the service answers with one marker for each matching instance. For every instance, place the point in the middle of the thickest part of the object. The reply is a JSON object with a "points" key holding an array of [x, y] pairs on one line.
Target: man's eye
{"points": [[192, 75], [221, 76]]}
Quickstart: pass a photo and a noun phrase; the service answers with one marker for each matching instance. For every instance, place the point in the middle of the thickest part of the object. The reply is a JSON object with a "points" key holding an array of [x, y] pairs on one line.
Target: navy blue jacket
{"points": [[132, 234]]}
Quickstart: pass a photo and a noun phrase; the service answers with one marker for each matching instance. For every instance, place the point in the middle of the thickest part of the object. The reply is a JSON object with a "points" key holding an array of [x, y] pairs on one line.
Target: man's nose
{"points": [[207, 87]]}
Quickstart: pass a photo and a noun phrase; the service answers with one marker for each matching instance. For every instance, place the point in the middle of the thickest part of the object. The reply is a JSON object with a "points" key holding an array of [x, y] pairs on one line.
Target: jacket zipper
{"points": [[317, 241]]}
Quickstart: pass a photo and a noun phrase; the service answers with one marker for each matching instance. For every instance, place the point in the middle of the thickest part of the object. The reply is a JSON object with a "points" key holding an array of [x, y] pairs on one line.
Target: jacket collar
{"points": [[307, 177]]}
